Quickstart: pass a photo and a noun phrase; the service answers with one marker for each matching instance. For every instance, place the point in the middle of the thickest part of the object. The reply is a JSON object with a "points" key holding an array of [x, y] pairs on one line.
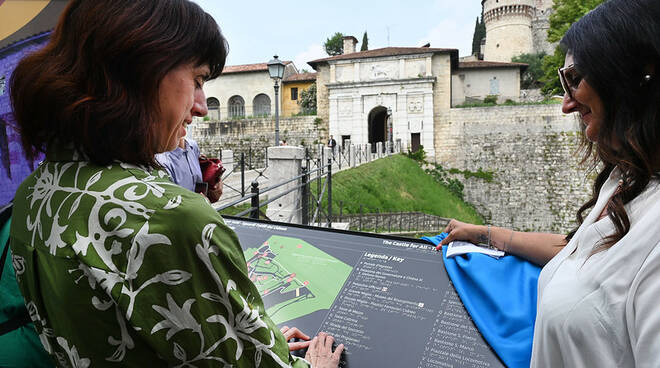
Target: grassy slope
{"points": [[395, 184]]}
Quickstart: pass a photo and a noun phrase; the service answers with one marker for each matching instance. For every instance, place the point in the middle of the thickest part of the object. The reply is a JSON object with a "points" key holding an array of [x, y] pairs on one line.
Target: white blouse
{"points": [[603, 310]]}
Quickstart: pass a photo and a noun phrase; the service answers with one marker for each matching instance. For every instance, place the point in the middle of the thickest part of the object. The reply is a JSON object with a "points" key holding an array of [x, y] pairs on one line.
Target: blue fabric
{"points": [[500, 296]]}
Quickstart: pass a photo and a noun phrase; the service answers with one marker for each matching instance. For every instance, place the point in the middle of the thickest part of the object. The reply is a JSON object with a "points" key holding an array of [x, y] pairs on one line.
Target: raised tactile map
{"points": [[387, 299]]}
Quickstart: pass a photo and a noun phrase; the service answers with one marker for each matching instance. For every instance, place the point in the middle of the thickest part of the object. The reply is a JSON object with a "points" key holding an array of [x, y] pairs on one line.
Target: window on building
{"points": [[213, 105], [236, 107], [261, 105], [294, 93], [3, 82]]}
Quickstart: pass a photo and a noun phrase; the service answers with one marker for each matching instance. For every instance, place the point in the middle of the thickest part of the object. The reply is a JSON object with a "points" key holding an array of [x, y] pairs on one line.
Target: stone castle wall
{"points": [[538, 183], [254, 135]]}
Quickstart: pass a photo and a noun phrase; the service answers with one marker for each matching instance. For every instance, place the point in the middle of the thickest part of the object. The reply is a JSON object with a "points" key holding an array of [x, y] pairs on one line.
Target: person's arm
{"points": [[538, 248]]}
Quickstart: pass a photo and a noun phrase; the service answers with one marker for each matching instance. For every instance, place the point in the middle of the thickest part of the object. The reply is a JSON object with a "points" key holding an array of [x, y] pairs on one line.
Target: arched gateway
{"points": [[377, 126]]}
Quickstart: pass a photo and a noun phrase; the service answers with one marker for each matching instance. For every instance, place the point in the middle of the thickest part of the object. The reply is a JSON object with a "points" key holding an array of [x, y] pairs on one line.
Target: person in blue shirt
{"points": [[182, 163]]}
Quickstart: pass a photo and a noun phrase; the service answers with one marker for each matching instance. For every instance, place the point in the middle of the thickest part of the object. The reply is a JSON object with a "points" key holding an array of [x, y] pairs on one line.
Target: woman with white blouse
{"points": [[600, 284]]}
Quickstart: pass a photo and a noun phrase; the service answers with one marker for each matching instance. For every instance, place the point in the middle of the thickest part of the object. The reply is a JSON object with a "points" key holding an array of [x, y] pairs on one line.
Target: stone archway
{"points": [[377, 126]]}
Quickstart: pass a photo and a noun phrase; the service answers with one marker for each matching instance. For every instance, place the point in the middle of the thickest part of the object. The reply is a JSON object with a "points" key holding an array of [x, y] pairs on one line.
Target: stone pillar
{"points": [[321, 152], [284, 163], [379, 149], [368, 145], [351, 156], [327, 153], [388, 148], [227, 158]]}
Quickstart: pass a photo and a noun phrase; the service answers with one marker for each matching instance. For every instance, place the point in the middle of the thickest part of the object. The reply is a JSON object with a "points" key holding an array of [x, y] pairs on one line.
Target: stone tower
{"points": [[515, 27]]}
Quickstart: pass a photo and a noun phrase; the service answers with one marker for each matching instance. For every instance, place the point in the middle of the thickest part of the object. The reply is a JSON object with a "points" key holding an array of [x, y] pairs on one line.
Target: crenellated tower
{"points": [[515, 27]]}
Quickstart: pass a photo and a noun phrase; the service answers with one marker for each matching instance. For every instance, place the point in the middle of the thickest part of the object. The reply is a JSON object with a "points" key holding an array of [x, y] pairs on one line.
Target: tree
{"points": [[365, 42], [307, 100], [335, 44], [479, 34], [531, 77], [565, 13]]}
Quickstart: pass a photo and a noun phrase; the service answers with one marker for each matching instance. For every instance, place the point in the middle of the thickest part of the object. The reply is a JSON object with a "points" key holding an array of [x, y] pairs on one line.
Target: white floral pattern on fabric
{"points": [[106, 230]]}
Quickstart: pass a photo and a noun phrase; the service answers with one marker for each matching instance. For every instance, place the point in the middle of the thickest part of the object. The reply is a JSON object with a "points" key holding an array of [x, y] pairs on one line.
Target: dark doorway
{"points": [[415, 141], [377, 126], [344, 140]]}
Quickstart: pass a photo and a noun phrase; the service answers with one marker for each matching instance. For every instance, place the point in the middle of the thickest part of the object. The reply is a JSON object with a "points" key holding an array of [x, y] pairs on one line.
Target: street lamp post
{"points": [[276, 71]]}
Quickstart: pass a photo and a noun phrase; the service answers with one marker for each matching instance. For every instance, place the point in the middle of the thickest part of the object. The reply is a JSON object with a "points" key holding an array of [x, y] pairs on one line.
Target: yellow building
{"points": [[292, 86]]}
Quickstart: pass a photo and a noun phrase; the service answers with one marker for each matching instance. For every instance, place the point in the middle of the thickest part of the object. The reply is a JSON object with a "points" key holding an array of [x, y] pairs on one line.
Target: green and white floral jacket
{"points": [[120, 267]]}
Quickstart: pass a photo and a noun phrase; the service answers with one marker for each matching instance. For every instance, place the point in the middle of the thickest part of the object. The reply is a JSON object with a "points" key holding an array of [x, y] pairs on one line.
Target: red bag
{"points": [[212, 171]]}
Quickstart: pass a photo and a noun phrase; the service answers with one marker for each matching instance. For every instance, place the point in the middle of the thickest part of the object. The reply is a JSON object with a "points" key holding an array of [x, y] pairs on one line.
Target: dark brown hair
{"points": [[95, 84], [617, 49]]}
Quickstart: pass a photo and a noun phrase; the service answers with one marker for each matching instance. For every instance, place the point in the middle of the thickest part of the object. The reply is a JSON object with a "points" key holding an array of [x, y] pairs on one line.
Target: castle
{"points": [[515, 27]]}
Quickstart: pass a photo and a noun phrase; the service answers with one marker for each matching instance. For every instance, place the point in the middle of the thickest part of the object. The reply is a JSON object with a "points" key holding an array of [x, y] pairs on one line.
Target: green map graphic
{"points": [[294, 277]]}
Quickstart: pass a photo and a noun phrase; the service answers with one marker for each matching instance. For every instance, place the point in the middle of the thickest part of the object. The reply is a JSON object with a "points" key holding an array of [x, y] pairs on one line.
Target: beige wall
{"points": [[246, 85], [15, 14], [322, 102], [469, 85]]}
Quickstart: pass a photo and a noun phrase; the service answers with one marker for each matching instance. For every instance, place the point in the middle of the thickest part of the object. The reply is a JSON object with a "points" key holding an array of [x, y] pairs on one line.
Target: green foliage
{"points": [[508, 102], [365, 42], [479, 34], [480, 173], [207, 118], [396, 184], [550, 79], [491, 99], [531, 77], [307, 100], [566, 12], [334, 45], [419, 155]]}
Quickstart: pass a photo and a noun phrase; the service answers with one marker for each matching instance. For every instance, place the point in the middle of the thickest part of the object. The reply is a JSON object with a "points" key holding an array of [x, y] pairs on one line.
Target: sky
{"points": [[256, 29]]}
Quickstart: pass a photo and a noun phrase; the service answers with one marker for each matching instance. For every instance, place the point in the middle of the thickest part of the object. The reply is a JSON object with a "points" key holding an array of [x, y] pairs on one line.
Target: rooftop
{"points": [[248, 68], [300, 77], [490, 64], [386, 51]]}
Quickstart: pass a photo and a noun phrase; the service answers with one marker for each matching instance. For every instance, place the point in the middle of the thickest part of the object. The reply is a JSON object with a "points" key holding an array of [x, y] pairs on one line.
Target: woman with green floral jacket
{"points": [[119, 266]]}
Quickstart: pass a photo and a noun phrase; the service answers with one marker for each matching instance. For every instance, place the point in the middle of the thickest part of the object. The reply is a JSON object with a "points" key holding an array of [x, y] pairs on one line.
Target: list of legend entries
{"points": [[397, 308], [397, 311]]}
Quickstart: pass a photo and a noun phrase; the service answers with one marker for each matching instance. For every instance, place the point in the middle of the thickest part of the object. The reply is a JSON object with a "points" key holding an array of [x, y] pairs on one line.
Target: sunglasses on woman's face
{"points": [[570, 79]]}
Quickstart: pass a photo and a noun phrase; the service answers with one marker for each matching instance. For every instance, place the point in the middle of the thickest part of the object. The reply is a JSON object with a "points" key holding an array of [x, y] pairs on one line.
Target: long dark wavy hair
{"points": [[615, 47], [95, 84]]}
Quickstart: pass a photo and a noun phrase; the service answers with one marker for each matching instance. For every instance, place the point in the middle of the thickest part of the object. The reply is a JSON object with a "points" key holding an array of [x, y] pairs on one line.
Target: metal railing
{"points": [[311, 204]]}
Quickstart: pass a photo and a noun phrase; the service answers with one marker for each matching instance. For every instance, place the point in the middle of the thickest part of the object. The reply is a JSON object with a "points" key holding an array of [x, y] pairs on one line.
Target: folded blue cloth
{"points": [[500, 296]]}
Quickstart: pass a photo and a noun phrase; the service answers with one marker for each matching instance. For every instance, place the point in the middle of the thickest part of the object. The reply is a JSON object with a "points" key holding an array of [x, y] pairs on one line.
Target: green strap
{"points": [[22, 317]]}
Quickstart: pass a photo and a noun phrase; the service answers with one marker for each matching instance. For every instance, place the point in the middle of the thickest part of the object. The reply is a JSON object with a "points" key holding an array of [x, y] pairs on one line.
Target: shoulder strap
{"points": [[5, 215], [23, 317]]}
